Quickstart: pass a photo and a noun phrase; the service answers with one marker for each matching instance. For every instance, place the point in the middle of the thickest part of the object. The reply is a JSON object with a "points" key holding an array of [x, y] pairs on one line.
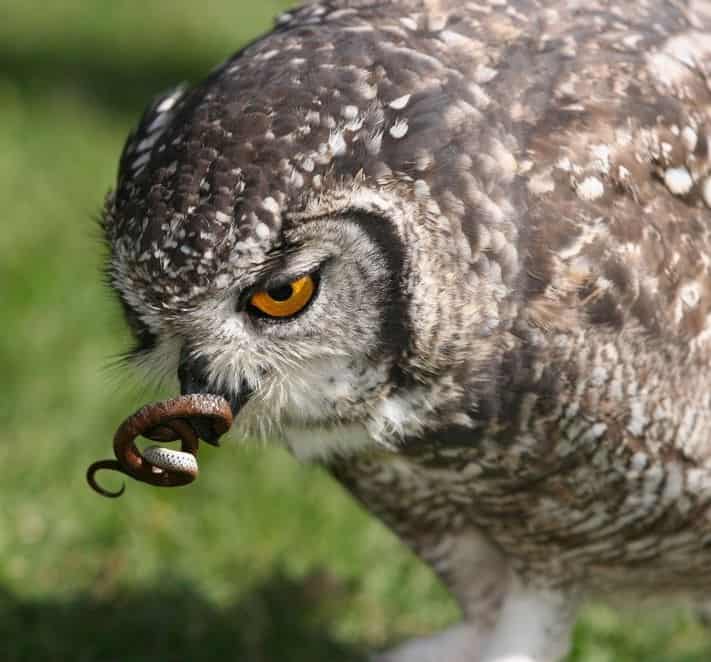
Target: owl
{"points": [[459, 254]]}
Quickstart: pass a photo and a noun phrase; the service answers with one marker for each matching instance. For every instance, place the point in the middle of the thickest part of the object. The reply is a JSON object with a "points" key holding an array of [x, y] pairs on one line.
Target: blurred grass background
{"points": [[260, 560]]}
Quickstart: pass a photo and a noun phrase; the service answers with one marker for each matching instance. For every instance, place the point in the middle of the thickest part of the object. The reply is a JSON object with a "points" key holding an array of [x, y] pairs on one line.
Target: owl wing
{"points": [[619, 188]]}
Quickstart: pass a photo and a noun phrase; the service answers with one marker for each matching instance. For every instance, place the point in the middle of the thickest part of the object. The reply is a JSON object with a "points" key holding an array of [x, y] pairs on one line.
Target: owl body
{"points": [[504, 210]]}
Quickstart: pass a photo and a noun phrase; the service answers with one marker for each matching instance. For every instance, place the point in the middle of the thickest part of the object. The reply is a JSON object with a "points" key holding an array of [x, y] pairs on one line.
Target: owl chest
{"points": [[593, 510], [598, 469]]}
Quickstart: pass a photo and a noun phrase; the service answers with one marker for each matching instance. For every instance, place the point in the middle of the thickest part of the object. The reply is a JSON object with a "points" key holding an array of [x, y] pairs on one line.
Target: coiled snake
{"points": [[163, 421]]}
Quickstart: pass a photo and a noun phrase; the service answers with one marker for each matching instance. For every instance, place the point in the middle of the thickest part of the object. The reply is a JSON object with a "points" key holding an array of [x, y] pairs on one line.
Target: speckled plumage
{"points": [[507, 360]]}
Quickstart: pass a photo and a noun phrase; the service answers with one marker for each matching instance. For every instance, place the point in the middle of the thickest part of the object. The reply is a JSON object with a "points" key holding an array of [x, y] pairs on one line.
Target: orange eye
{"points": [[285, 300]]}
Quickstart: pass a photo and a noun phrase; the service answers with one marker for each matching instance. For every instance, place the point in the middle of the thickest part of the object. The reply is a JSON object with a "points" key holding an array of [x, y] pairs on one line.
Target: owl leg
{"points": [[534, 625], [477, 575], [459, 643]]}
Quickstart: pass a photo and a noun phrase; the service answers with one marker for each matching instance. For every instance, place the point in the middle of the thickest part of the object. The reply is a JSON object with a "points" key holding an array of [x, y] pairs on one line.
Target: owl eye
{"points": [[285, 300]]}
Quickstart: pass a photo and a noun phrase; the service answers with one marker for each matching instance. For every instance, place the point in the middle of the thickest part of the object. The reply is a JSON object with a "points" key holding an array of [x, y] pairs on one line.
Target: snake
{"points": [[162, 421]]}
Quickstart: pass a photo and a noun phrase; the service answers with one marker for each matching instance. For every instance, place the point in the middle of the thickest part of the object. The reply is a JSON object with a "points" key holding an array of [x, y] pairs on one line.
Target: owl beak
{"points": [[192, 373]]}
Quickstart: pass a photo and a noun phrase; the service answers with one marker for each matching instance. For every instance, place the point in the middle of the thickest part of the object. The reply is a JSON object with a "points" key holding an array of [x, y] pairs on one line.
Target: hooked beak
{"points": [[192, 373]]}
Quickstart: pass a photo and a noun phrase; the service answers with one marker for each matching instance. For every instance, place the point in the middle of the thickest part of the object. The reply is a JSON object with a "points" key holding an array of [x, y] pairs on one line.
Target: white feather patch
{"points": [[319, 443]]}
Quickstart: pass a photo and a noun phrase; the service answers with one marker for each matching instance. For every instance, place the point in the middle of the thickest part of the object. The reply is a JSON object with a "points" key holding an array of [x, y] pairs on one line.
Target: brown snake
{"points": [[162, 421]]}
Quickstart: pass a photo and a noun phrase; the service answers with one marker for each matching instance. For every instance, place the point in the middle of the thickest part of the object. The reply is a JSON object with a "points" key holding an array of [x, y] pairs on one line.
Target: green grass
{"points": [[261, 559]]}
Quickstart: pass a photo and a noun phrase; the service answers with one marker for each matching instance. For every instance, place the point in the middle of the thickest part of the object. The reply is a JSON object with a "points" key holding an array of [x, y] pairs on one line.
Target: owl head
{"points": [[312, 233]]}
